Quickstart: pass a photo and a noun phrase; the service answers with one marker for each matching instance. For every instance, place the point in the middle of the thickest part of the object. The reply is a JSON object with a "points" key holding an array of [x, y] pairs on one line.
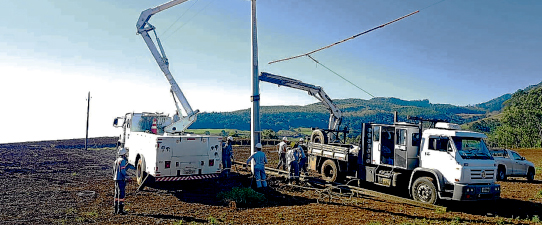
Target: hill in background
{"points": [[355, 112]]}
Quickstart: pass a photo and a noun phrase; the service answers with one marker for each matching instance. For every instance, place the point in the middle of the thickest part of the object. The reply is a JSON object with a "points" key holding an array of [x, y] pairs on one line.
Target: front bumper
{"points": [[475, 192]]}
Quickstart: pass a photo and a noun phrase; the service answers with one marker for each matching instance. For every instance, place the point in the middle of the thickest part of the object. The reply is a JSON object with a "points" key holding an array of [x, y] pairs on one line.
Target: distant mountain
{"points": [[496, 104], [355, 112]]}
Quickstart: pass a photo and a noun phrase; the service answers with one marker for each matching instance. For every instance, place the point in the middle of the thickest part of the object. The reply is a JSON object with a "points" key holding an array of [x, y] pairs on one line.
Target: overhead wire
{"points": [[184, 13], [316, 61], [190, 19], [308, 54]]}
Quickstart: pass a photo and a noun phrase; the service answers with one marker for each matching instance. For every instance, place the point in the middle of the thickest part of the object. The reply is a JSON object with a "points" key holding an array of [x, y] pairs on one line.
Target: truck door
{"points": [[401, 147], [376, 145], [519, 165], [438, 154]]}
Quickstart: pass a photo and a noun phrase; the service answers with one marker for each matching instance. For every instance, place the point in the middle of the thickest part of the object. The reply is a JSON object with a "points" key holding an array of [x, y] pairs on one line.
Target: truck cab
{"points": [[442, 162], [467, 169]]}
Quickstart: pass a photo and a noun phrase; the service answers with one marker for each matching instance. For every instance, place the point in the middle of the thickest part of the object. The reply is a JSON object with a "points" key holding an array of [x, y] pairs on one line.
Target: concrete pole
{"points": [[88, 110], [255, 98]]}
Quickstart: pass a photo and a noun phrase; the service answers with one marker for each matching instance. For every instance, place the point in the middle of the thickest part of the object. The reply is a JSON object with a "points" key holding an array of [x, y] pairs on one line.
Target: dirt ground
{"points": [[61, 183]]}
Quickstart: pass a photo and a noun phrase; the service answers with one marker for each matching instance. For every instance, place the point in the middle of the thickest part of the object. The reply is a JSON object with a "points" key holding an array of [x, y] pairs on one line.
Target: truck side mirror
{"points": [[118, 122]]}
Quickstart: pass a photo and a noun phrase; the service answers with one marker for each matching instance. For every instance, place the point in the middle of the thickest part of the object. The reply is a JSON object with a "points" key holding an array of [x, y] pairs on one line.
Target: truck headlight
{"points": [[498, 188]]}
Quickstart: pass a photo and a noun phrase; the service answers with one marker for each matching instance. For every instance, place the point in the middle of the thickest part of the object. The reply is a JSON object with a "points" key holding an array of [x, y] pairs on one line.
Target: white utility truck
{"points": [[442, 162], [156, 143]]}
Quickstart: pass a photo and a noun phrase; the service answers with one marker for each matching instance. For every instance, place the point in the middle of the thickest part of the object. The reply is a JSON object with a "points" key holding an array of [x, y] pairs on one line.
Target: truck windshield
{"points": [[471, 148]]}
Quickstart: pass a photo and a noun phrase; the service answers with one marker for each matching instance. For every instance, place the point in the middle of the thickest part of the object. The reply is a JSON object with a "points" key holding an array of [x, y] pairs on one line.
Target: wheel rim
{"points": [[424, 192]]}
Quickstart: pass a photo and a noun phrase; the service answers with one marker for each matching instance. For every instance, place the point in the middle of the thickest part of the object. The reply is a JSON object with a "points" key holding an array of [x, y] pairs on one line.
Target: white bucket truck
{"points": [[156, 143]]}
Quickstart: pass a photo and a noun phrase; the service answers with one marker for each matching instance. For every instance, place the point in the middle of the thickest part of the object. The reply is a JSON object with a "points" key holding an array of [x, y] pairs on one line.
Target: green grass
{"points": [[242, 196]]}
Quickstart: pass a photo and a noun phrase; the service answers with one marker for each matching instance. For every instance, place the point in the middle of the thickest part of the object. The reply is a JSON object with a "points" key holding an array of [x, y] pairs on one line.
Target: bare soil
{"points": [[61, 183]]}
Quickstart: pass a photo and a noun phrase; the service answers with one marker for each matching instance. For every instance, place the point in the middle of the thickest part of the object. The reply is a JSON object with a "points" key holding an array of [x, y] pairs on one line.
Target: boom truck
{"points": [[331, 134], [441, 162], [156, 142]]}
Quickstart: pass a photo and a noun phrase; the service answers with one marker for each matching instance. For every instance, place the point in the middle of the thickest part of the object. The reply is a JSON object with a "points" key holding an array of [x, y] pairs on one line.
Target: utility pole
{"points": [[88, 110], [255, 98]]}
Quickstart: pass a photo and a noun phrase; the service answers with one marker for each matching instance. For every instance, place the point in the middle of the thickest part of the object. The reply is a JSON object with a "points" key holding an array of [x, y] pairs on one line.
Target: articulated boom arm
{"points": [[335, 116], [143, 28]]}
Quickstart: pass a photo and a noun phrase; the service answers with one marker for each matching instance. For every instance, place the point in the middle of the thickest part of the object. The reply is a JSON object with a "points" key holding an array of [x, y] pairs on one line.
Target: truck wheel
{"points": [[318, 136], [501, 173], [329, 171], [530, 175], [140, 171], [423, 190]]}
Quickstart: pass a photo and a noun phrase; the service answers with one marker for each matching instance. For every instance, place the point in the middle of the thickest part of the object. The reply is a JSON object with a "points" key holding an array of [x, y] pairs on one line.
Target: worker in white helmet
{"points": [[282, 153], [292, 158], [227, 154], [302, 157], [259, 166], [120, 177]]}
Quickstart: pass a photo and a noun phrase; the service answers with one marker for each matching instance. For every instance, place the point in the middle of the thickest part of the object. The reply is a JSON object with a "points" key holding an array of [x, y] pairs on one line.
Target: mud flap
{"points": [[140, 188]]}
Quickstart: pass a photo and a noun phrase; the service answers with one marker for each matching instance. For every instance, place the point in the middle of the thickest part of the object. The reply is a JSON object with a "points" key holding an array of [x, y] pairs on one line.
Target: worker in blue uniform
{"points": [[227, 153], [292, 158], [302, 157], [120, 177], [259, 166]]}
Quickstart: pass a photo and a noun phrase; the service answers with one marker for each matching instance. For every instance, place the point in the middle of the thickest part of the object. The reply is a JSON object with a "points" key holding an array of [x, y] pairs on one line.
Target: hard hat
{"points": [[122, 151], [284, 139], [301, 139], [230, 138], [259, 146]]}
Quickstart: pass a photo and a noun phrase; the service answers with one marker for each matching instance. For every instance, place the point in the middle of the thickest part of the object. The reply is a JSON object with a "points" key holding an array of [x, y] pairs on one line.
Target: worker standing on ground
{"points": [[120, 177], [292, 156], [302, 157], [227, 153], [282, 153], [259, 166]]}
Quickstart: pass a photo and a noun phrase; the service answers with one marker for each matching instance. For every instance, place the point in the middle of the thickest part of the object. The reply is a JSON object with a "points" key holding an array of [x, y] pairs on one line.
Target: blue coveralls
{"points": [[119, 176], [227, 152], [302, 160], [259, 168]]}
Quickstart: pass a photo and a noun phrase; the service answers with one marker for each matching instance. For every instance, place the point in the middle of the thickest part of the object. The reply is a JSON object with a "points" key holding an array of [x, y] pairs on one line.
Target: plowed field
{"points": [[59, 182]]}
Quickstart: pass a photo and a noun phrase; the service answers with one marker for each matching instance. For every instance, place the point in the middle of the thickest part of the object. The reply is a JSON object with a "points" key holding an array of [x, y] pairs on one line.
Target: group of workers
{"points": [[293, 158]]}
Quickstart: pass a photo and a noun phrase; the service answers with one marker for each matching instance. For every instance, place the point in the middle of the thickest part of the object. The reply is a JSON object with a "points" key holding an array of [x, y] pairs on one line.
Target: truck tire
{"points": [[318, 136], [501, 173], [530, 175], [140, 171], [329, 171], [423, 190]]}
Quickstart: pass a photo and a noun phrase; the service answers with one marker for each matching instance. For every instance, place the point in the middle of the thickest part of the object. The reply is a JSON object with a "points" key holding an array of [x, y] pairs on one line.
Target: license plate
{"points": [[485, 190], [189, 171]]}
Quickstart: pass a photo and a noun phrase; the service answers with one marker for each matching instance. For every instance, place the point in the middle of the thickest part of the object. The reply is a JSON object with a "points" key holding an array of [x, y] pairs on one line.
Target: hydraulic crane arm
{"points": [[335, 116], [143, 28]]}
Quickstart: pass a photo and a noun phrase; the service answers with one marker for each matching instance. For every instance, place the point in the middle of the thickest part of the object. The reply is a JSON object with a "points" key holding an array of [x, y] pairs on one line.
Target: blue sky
{"points": [[53, 52]]}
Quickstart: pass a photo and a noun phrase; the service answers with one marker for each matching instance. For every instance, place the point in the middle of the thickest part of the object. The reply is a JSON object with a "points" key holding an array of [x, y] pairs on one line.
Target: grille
{"points": [[482, 174]]}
